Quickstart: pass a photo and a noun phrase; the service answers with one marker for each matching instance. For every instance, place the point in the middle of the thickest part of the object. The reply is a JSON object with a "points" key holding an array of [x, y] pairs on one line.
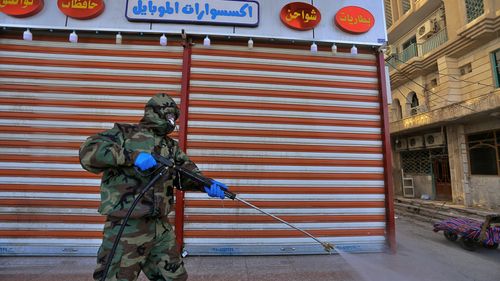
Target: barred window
{"points": [[416, 162], [474, 8]]}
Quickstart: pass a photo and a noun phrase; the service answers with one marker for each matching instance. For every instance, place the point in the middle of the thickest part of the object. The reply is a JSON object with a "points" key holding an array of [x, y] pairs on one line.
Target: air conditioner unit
{"points": [[401, 144], [434, 140], [415, 142], [425, 30]]}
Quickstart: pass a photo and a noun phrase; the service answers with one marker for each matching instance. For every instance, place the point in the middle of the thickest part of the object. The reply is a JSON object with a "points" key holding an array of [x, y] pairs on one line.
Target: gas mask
{"points": [[160, 114]]}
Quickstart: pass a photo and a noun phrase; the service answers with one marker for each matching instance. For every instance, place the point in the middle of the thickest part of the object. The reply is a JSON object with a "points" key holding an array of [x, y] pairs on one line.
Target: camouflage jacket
{"points": [[112, 152]]}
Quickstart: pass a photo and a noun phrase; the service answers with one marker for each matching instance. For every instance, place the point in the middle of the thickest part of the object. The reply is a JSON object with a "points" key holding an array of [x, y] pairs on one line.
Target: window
{"points": [[464, 69], [396, 108], [484, 153], [474, 8], [416, 162], [414, 103], [495, 58], [388, 13], [406, 5]]}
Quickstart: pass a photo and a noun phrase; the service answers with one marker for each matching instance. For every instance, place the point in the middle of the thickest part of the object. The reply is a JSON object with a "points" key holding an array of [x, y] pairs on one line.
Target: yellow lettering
{"points": [[293, 16], [92, 5], [66, 5], [9, 2], [27, 3]]}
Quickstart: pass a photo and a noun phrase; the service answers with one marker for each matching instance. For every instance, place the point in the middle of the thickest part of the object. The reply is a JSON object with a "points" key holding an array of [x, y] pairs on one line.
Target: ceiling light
{"points": [[73, 37], [314, 47], [163, 40], [354, 50], [27, 35], [206, 42], [118, 38]]}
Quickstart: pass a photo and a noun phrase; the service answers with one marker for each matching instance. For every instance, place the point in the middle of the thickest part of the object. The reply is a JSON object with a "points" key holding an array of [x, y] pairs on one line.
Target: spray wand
{"points": [[207, 182]]}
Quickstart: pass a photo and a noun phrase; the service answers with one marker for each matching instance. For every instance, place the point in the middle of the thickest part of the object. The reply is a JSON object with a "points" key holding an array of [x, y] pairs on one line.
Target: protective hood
{"points": [[160, 114]]}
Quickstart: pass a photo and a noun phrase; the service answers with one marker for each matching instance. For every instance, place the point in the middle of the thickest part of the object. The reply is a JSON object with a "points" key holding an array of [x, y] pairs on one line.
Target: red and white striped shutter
{"points": [[54, 95], [296, 134]]}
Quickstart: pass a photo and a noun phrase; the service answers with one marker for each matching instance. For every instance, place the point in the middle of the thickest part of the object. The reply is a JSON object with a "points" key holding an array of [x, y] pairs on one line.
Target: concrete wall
{"points": [[423, 184], [454, 87], [459, 167], [485, 190]]}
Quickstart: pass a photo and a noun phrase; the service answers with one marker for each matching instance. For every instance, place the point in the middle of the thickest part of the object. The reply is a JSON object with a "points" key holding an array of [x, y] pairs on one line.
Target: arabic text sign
{"points": [[300, 16], [21, 8], [215, 12], [354, 19], [81, 9]]}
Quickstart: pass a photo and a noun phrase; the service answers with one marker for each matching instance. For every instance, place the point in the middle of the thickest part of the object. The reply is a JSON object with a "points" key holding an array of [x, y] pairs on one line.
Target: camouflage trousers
{"points": [[147, 244]]}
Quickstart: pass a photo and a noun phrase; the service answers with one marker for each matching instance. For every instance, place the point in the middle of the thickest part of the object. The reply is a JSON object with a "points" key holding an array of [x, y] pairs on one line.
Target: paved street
{"points": [[422, 255]]}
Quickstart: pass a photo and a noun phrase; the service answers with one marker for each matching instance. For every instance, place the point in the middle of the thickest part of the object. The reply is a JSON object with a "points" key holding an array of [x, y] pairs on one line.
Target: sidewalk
{"points": [[262, 268], [422, 255]]}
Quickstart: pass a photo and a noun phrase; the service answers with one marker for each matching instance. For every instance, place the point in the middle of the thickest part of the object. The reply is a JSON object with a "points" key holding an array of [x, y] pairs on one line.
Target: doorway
{"points": [[442, 178]]}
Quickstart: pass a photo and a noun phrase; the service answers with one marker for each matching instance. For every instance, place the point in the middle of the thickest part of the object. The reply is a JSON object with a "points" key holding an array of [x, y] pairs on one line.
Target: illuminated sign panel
{"points": [[300, 16], [214, 12], [21, 8], [354, 19], [81, 9]]}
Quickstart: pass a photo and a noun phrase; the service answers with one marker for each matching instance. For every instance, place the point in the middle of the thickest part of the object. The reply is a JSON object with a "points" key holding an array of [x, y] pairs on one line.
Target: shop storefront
{"points": [[284, 102]]}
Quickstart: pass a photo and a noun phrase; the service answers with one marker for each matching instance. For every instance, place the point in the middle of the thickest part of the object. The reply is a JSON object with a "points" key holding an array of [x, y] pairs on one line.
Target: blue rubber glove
{"points": [[216, 189], [144, 161]]}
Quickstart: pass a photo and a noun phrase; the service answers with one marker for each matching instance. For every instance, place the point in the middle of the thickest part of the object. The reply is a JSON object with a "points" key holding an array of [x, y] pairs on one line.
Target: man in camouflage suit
{"points": [[148, 242]]}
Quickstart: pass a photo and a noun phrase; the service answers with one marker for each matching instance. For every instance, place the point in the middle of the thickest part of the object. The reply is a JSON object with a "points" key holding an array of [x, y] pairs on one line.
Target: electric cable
{"points": [[423, 87], [449, 75], [435, 95]]}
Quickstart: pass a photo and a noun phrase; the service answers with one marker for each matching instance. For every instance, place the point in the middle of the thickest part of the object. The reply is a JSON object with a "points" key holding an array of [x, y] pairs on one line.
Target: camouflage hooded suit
{"points": [[148, 242]]}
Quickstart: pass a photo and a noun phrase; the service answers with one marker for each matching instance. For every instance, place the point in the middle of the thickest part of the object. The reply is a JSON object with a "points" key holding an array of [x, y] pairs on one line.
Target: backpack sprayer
{"points": [[165, 165]]}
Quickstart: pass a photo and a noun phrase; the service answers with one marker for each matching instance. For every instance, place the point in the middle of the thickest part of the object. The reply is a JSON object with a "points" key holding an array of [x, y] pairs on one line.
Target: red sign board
{"points": [[354, 19], [81, 9], [300, 16], [21, 8]]}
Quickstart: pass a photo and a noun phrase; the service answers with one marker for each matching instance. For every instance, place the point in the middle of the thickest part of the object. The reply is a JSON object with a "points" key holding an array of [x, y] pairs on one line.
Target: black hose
{"points": [[124, 223]]}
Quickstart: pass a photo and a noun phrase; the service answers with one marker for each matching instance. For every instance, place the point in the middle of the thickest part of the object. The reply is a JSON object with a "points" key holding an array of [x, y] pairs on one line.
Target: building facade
{"points": [[444, 59]]}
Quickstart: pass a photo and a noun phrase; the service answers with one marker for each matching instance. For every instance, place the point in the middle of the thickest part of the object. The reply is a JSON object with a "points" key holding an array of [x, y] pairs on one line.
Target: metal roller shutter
{"points": [[54, 95], [296, 134]]}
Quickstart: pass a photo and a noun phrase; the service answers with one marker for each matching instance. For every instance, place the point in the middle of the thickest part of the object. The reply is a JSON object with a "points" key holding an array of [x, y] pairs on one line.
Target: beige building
{"points": [[444, 61]]}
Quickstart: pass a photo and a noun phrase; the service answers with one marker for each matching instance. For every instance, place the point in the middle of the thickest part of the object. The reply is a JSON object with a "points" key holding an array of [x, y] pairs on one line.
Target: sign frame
{"points": [[199, 8]]}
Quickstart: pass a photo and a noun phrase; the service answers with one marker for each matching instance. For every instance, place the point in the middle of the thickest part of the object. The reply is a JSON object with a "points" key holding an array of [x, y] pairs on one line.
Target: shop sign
{"points": [[81, 9], [21, 8], [300, 16], [354, 19], [214, 12]]}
